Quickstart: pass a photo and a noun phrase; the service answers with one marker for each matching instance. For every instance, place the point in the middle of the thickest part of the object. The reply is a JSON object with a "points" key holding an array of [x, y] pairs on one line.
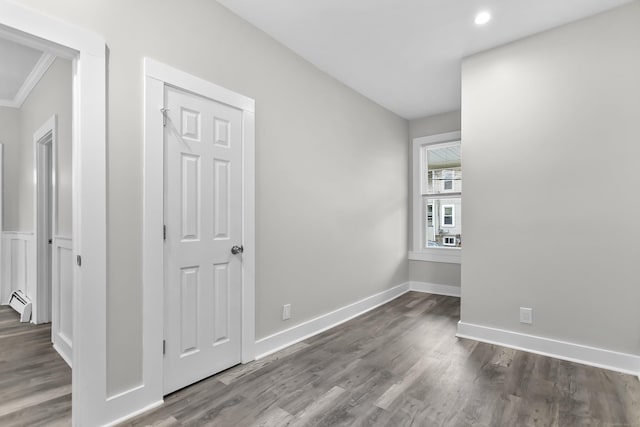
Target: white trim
{"points": [[24, 281], [38, 71], [283, 339], [443, 215], [18, 234], [46, 134], [62, 354], [441, 138], [592, 356], [174, 77], [443, 254], [61, 343], [134, 414], [248, 237], [418, 230], [156, 75], [38, 43], [87, 51], [434, 288]]}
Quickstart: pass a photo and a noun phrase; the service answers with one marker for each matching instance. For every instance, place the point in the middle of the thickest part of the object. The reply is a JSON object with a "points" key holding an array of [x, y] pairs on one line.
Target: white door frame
{"points": [[156, 76], [87, 52], [42, 310]]}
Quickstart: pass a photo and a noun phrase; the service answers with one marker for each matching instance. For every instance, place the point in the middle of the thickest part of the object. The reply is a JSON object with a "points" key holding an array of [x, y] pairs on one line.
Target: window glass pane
{"points": [[444, 173], [443, 222]]}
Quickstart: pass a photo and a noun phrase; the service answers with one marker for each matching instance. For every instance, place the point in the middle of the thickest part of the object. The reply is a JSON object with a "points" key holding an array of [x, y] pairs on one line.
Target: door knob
{"points": [[237, 250]]}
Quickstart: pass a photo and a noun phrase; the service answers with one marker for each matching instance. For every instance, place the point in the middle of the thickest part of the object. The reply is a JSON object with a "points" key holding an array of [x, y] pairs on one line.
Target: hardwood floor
{"points": [[35, 383], [401, 365]]}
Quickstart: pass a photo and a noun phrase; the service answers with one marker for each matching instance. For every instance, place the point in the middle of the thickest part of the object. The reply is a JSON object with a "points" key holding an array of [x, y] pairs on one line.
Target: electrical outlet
{"points": [[286, 312], [526, 315]]}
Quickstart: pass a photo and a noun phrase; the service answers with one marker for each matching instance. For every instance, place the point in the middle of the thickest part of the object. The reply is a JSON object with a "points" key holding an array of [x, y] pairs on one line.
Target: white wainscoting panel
{"points": [[62, 297], [18, 268], [434, 288], [592, 356], [280, 340]]}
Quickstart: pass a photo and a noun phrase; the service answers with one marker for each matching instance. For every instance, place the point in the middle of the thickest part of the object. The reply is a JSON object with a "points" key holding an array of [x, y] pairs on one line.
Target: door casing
{"points": [[44, 217], [156, 76], [87, 51]]}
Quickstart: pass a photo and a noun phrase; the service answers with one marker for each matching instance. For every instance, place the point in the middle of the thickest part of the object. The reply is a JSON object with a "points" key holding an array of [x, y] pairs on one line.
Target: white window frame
{"points": [[420, 252], [430, 205], [444, 215]]}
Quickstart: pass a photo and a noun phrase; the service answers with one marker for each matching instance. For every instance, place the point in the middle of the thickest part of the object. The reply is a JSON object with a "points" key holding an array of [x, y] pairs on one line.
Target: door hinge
{"points": [[79, 260], [164, 116], [164, 232], [164, 347]]}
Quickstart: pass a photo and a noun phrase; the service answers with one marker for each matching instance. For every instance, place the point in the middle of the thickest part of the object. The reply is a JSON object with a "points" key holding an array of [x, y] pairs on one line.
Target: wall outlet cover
{"points": [[526, 315], [286, 312]]}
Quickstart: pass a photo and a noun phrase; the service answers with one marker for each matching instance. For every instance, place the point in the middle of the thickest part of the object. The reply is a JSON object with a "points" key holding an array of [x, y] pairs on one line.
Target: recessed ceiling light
{"points": [[482, 18]]}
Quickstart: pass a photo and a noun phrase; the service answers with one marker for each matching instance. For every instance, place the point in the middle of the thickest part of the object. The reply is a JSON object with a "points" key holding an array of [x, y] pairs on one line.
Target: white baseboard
{"points": [[295, 334], [598, 357], [65, 357], [434, 288], [135, 414]]}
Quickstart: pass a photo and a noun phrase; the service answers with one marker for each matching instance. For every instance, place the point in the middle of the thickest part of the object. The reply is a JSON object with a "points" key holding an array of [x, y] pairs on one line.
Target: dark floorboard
{"points": [[401, 365], [35, 382]]}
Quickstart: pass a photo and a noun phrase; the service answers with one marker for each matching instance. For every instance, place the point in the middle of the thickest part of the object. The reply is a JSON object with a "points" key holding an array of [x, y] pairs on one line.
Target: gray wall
{"points": [[433, 125], [424, 271], [545, 119], [10, 138], [52, 95], [331, 165]]}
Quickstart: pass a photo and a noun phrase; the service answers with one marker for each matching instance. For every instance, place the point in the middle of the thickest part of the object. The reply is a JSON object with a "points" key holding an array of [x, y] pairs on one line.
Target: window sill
{"points": [[446, 255]]}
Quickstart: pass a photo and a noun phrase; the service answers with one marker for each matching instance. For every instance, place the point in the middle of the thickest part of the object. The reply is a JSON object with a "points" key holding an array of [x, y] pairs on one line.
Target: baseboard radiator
{"points": [[22, 304]]}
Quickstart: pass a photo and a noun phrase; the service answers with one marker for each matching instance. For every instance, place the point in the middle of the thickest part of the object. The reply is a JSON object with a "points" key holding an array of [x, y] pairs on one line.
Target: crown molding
{"points": [[39, 70]]}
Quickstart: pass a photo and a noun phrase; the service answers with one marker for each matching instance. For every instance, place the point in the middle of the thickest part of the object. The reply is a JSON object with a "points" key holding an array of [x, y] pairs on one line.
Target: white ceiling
{"points": [[404, 54], [21, 68]]}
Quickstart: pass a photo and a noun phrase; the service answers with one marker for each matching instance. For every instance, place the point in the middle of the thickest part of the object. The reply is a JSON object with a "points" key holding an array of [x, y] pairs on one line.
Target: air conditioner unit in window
{"points": [[22, 304]]}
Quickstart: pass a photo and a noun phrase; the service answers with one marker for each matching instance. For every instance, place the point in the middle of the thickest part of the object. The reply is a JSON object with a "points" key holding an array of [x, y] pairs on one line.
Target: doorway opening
{"points": [[44, 221], [85, 52], [196, 100]]}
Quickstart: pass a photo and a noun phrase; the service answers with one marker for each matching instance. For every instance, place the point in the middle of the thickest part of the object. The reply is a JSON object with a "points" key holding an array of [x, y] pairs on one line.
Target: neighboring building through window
{"points": [[449, 241], [448, 176], [437, 197]]}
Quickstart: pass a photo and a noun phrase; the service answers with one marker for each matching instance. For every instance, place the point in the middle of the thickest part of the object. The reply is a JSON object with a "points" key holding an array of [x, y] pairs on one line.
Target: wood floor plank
{"points": [[275, 417], [227, 377], [313, 414], [401, 365], [35, 382]]}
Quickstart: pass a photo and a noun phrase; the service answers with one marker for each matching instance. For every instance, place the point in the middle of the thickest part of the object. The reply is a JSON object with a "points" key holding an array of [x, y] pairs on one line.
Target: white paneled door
{"points": [[203, 217]]}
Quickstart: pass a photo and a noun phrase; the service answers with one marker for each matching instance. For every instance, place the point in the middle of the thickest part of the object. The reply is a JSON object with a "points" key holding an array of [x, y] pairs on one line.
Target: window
{"points": [[448, 177], [437, 198], [449, 241], [448, 215]]}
